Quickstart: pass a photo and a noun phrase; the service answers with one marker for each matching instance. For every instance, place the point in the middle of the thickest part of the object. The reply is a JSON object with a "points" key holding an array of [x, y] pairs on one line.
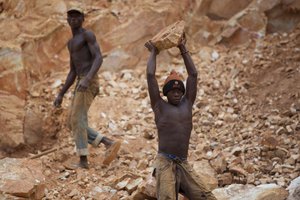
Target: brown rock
{"points": [[121, 185], [33, 132], [238, 171], [226, 8], [269, 141], [206, 173], [225, 179], [22, 178], [11, 121], [247, 24], [276, 194], [12, 71], [147, 190], [219, 163], [249, 192], [267, 4], [169, 37], [133, 185]]}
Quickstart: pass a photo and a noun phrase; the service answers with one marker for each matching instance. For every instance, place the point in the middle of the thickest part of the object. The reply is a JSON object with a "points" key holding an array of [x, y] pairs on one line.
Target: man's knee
{"points": [[166, 185], [166, 192]]}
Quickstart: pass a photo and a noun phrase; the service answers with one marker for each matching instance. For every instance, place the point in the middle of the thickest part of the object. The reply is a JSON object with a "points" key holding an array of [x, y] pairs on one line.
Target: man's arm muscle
{"points": [[96, 53]]}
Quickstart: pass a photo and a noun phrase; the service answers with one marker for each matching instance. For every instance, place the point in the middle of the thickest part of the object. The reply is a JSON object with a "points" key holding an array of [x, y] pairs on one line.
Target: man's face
{"points": [[75, 19], [174, 96]]}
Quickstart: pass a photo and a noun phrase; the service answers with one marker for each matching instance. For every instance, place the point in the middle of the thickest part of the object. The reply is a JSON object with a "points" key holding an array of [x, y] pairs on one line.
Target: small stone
{"points": [[215, 56], [225, 179], [121, 185], [133, 185]]}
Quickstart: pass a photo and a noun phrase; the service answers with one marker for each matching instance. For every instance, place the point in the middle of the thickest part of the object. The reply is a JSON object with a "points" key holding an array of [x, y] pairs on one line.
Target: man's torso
{"points": [[80, 54], [174, 125]]}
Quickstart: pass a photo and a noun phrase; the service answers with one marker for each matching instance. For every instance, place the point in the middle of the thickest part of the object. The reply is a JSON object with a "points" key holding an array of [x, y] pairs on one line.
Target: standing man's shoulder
{"points": [[89, 35]]}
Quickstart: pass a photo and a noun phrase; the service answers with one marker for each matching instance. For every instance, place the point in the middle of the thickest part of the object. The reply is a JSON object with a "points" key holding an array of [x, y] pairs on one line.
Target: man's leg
{"points": [[165, 179], [79, 123], [95, 138], [192, 186]]}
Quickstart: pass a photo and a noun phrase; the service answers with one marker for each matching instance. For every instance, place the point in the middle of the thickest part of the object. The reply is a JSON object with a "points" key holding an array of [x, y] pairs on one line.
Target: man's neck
{"points": [[76, 31]]}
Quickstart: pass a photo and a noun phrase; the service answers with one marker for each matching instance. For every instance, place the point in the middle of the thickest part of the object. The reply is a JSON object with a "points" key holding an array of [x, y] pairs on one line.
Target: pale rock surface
{"points": [[12, 71], [118, 59], [294, 189], [206, 173], [146, 190], [11, 121], [250, 192], [22, 178], [225, 9], [245, 25]]}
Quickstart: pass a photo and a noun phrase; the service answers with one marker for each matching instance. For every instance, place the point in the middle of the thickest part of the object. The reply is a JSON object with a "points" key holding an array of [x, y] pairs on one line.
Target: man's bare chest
{"points": [[77, 43], [174, 113]]}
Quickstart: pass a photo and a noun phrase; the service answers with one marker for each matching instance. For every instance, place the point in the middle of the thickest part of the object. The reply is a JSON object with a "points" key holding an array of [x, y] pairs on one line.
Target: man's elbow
{"points": [[99, 60]]}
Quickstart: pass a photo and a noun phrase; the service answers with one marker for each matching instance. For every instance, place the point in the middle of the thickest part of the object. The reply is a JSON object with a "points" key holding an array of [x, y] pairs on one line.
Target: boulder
{"points": [[267, 5], [12, 71], [283, 17], [294, 189], [250, 192], [22, 178], [33, 127], [225, 9], [292, 4], [206, 173], [146, 190], [11, 121], [169, 37], [118, 59], [47, 53], [244, 26]]}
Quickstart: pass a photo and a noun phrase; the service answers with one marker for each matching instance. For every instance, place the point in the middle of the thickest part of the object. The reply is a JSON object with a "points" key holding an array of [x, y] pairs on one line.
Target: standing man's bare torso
{"points": [[81, 57]]}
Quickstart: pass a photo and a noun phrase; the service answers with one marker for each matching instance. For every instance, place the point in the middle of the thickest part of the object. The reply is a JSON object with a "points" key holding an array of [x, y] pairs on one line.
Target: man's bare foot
{"points": [[111, 152]]}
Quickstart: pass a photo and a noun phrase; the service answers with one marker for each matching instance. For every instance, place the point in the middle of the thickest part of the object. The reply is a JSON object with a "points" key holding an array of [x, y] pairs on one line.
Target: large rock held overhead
{"points": [[169, 37]]}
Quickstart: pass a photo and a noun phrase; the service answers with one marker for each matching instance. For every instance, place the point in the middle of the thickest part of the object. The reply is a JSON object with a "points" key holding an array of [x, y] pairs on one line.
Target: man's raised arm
{"points": [[153, 88], [191, 84]]}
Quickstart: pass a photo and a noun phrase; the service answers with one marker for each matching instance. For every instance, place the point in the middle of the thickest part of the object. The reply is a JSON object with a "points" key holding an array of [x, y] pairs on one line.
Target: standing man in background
{"points": [[85, 62], [173, 120]]}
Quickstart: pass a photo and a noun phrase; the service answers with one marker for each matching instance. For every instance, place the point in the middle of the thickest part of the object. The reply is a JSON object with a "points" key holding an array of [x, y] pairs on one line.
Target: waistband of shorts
{"points": [[172, 157]]}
